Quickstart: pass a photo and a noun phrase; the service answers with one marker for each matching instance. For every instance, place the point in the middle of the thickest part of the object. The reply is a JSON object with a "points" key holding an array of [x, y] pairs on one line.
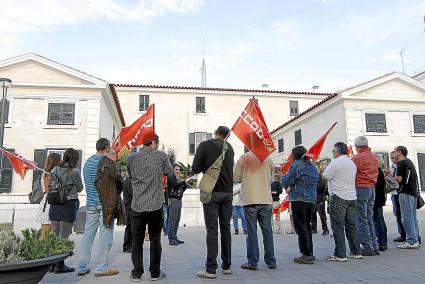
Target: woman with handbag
{"points": [[63, 215], [42, 216], [378, 212]]}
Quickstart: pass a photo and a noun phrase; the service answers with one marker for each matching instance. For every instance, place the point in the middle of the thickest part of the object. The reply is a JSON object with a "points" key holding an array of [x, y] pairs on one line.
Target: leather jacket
{"points": [[109, 186]]}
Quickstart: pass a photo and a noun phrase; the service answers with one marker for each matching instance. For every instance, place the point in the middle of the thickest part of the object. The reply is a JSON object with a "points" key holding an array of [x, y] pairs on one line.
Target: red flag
{"points": [[350, 152], [315, 150], [140, 132], [19, 164], [282, 206], [252, 130], [287, 165]]}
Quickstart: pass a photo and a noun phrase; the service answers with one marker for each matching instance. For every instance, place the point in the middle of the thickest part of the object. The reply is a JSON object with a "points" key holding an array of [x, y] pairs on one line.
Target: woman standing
{"points": [[302, 177], [378, 212], [63, 216], [42, 216]]}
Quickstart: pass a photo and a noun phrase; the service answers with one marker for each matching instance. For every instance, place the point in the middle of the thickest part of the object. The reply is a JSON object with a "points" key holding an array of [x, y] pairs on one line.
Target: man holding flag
{"points": [[256, 170]]}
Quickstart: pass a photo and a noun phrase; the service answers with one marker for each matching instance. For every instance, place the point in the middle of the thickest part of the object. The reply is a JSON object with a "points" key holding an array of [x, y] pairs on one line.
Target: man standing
{"points": [[396, 204], [276, 189], [175, 188], [408, 193], [128, 197], [219, 209], [366, 177], [256, 198], [145, 169], [341, 176], [94, 217], [322, 192]]}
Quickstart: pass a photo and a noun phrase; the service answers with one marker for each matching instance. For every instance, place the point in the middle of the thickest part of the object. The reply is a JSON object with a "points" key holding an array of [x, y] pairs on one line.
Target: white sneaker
{"points": [[356, 256], [408, 246], [204, 274], [336, 258], [227, 271]]}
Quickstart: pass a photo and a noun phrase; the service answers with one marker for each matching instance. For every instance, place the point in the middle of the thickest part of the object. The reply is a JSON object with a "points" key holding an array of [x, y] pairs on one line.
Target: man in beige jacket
{"points": [[256, 198]]}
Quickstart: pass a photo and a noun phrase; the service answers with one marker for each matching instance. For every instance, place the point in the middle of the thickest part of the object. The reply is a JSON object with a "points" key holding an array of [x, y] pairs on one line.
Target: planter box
{"points": [[28, 272]]}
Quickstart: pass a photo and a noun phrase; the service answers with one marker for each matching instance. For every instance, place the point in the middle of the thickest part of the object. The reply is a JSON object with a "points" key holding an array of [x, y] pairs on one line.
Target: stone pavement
{"points": [[181, 263]]}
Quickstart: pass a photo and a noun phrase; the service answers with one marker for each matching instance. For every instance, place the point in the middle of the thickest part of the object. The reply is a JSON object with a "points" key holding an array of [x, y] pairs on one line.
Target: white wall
{"points": [[313, 126]]}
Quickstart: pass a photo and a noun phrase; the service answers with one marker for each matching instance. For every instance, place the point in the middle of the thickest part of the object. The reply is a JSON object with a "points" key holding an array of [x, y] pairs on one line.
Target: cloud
{"points": [[29, 16], [288, 32]]}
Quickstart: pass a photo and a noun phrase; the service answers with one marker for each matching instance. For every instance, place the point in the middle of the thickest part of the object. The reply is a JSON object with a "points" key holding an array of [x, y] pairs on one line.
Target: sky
{"points": [[288, 45]]}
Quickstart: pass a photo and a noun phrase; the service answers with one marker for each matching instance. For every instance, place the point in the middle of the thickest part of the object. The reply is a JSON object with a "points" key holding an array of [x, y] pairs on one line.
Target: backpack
{"points": [[57, 188], [37, 193]]}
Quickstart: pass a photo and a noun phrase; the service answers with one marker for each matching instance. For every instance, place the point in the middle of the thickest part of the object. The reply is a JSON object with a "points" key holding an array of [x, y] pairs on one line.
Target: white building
{"points": [[389, 111], [51, 107], [186, 116]]}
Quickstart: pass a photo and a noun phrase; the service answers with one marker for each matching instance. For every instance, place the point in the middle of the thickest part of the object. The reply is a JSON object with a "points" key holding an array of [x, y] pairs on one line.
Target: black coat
{"points": [[127, 193], [380, 197], [276, 190], [322, 189]]}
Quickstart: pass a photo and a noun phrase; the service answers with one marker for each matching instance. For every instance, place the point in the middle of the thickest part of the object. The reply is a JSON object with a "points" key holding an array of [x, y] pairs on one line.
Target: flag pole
{"points": [[23, 160]]}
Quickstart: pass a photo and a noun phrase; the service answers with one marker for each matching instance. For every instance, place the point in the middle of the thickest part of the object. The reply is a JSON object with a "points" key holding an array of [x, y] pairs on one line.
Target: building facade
{"points": [[186, 116], [52, 107], [389, 111]]}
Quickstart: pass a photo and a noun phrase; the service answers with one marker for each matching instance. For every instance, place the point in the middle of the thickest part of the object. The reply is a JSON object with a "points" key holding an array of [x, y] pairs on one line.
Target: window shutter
{"points": [[280, 145], [419, 123], [40, 156], [6, 174], [209, 136], [298, 137], [191, 143]]}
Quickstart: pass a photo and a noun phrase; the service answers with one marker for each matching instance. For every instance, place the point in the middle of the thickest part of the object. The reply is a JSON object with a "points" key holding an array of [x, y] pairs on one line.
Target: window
{"points": [[293, 108], [418, 123], [113, 132], [375, 122], [6, 118], [143, 102], [298, 137], [200, 104], [195, 139], [61, 114], [280, 145]]}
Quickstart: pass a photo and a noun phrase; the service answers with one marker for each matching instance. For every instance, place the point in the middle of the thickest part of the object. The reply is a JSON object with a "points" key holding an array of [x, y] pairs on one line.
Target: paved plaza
{"points": [[181, 263]]}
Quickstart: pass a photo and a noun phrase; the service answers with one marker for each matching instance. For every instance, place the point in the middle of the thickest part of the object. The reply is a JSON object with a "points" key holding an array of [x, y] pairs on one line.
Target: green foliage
{"points": [[35, 247], [31, 246], [10, 249]]}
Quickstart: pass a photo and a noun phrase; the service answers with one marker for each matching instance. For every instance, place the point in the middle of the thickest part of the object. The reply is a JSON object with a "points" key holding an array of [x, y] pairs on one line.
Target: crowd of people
{"points": [[354, 187]]}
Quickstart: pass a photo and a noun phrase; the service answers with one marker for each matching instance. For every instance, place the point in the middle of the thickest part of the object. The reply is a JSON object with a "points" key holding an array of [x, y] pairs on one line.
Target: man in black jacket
{"points": [[175, 190], [219, 209], [322, 192], [276, 190], [128, 197]]}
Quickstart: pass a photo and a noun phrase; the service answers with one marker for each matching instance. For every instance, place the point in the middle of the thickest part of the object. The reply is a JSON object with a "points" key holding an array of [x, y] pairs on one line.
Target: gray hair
{"points": [[361, 141], [380, 160]]}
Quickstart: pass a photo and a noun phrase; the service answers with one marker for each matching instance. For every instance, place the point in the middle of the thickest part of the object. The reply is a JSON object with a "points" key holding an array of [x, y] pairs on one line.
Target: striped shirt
{"points": [[145, 169], [90, 171]]}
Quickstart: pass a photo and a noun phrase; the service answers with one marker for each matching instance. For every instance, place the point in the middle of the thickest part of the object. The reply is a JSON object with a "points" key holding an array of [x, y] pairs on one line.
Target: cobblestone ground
{"points": [[181, 263]]}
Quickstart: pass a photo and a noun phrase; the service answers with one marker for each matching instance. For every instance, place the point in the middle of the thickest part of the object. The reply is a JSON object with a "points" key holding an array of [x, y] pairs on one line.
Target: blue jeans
{"points": [[237, 211], [408, 216], [94, 220], [364, 218], [165, 218], [342, 214], [263, 214], [380, 226], [174, 214]]}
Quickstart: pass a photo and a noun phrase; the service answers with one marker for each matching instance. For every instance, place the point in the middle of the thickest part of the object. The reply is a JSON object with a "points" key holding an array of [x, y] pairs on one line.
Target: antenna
{"points": [[203, 66], [402, 60]]}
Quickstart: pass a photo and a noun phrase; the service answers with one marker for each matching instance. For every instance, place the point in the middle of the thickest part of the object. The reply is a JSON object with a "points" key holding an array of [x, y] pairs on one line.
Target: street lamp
{"points": [[5, 84]]}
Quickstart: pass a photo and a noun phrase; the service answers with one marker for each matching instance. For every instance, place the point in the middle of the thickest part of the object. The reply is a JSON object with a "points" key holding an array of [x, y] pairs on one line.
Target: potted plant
{"points": [[26, 260]]}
